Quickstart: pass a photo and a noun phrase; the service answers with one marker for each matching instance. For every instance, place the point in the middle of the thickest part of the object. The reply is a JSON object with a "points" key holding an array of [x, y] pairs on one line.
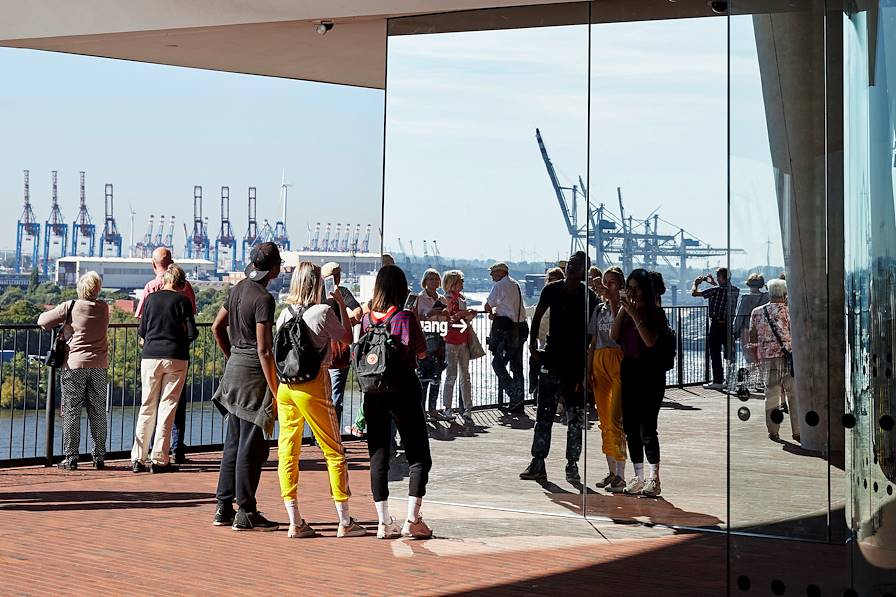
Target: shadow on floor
{"points": [[59, 501]]}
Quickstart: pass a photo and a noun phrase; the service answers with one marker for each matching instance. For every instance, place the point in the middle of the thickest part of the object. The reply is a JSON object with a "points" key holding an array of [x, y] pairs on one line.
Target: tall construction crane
{"points": [[365, 247], [27, 232], [225, 243], [315, 240], [413, 254], [144, 247], [250, 239], [281, 236], [110, 243], [353, 245], [198, 243], [401, 248], [347, 239], [569, 213], [325, 243], [437, 256], [83, 228], [159, 239], [334, 244], [266, 234], [169, 236], [55, 229], [426, 261]]}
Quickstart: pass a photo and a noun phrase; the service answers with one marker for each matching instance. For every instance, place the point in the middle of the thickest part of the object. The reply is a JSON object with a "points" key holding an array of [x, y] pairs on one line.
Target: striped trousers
{"points": [[83, 388]]}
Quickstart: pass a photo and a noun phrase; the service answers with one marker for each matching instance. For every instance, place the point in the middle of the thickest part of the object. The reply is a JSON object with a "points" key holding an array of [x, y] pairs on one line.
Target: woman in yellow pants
{"points": [[311, 402], [606, 379]]}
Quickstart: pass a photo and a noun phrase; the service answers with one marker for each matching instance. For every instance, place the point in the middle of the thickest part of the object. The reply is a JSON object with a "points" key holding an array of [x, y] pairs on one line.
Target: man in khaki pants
{"points": [[167, 328]]}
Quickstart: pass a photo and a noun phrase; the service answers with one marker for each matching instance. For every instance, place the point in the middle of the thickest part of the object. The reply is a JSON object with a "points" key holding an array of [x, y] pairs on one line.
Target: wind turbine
{"points": [[131, 242]]}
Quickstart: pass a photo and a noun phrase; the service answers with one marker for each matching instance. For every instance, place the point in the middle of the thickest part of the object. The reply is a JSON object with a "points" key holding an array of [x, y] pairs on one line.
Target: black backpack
{"points": [[666, 347], [295, 357], [373, 357]]}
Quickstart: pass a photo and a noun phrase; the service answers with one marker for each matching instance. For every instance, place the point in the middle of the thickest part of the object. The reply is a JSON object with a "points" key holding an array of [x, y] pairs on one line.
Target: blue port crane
{"points": [[198, 244], [281, 236], [250, 239], [110, 242], [27, 232], [83, 228], [225, 243], [55, 229]]}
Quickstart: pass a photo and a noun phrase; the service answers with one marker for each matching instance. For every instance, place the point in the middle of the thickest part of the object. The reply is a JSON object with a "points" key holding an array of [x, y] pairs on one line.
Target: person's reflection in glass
{"points": [[562, 365]]}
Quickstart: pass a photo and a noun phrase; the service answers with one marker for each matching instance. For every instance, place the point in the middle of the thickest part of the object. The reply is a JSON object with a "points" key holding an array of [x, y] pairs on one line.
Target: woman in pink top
{"points": [[84, 372], [768, 323], [457, 352]]}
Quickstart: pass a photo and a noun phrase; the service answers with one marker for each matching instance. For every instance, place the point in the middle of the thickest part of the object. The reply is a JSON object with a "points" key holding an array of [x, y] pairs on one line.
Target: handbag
{"points": [[58, 352], [788, 356], [474, 345]]}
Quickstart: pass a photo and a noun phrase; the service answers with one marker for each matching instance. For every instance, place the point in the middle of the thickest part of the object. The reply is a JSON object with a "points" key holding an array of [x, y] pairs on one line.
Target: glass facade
{"points": [[680, 138]]}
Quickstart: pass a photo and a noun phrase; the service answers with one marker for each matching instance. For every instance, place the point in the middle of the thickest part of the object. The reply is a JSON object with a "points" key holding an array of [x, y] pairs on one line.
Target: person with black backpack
{"points": [[641, 329], [303, 354], [385, 360]]}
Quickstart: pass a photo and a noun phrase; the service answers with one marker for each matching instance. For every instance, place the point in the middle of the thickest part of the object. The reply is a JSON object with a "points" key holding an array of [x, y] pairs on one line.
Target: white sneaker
{"points": [[416, 530], [713, 386], [651, 488], [388, 530], [634, 487]]}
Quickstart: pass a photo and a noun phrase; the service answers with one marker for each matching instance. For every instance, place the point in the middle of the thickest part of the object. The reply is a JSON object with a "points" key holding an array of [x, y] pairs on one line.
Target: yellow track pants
{"points": [[310, 401], [606, 383]]}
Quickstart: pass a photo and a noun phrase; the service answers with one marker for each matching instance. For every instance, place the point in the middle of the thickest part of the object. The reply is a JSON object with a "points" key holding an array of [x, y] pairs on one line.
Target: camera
{"points": [[719, 7]]}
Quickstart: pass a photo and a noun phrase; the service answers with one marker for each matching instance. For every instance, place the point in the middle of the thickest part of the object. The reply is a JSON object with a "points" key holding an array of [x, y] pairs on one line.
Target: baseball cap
{"points": [[500, 265], [328, 268], [262, 260]]}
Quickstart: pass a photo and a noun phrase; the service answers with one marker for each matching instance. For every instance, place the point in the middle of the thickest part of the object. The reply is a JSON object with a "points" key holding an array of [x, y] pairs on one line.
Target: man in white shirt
{"points": [[507, 311]]}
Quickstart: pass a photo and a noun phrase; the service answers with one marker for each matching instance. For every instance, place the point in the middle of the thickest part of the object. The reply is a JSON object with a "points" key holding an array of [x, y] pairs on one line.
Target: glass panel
{"points": [[470, 96], [870, 114], [779, 217], [657, 183]]}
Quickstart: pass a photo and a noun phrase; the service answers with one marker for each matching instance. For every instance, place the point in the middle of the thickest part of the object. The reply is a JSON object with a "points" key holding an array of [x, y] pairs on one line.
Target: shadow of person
{"points": [[58, 501], [671, 404], [516, 420]]}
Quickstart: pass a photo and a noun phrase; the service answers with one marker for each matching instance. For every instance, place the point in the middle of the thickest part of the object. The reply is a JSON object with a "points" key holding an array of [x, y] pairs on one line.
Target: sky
{"points": [[461, 162]]}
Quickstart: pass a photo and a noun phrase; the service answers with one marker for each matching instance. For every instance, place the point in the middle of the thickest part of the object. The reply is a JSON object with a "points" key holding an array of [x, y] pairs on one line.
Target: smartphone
{"points": [[623, 293], [411, 302], [329, 286]]}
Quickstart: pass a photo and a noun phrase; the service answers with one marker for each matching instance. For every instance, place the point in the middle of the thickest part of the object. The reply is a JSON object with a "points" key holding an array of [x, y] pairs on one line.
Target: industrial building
{"points": [[124, 273]]}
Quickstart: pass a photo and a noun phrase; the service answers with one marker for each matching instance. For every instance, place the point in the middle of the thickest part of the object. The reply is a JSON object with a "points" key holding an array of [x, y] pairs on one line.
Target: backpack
{"points": [[374, 358], [295, 357], [666, 347]]}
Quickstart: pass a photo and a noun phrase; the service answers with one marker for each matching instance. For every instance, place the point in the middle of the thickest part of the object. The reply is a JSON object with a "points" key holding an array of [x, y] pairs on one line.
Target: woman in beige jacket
{"points": [[84, 377]]}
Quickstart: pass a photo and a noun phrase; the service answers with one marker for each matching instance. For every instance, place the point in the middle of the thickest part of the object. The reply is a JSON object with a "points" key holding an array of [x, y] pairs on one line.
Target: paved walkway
{"points": [[113, 532]]}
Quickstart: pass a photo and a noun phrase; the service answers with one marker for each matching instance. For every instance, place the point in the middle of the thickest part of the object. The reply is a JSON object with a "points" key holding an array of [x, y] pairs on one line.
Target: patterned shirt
{"points": [[722, 300], [769, 347]]}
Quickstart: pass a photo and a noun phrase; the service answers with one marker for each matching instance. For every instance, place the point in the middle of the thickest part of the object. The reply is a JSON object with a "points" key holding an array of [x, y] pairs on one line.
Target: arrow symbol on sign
{"points": [[462, 325]]}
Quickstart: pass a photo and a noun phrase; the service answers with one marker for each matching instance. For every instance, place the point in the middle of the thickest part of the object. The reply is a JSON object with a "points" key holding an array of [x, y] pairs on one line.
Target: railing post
{"points": [[679, 348], [50, 419], [706, 358]]}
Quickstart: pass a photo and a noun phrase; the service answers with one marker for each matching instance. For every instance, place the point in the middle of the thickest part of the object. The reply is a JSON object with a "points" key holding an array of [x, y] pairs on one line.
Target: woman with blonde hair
{"points": [[84, 373], [166, 330], [310, 401], [429, 307], [457, 352]]}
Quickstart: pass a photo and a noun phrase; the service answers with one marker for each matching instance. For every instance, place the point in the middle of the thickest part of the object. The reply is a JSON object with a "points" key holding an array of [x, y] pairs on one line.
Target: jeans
{"points": [[457, 357], [338, 379], [245, 452], [513, 386], [643, 387], [402, 408], [179, 431], [550, 388], [718, 343]]}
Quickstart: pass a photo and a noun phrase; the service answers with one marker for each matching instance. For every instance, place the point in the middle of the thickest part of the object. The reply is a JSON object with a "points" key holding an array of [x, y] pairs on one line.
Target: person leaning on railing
{"points": [[166, 330], [84, 374]]}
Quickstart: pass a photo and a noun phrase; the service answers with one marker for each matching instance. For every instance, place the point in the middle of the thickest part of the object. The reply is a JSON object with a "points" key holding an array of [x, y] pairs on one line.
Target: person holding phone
{"points": [[311, 402], [637, 328], [722, 299], [341, 353]]}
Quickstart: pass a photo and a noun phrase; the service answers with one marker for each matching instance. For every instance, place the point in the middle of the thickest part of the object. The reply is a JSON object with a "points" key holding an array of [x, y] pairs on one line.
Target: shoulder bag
{"points": [[788, 356], [58, 352]]}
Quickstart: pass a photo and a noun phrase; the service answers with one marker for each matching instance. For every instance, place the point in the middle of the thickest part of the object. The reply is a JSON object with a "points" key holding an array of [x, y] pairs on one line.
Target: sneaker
{"points": [[618, 485], [713, 386], [634, 487], [163, 468], [795, 436], [223, 516], [138, 467], [468, 419], [302, 531], [447, 415], [535, 471], [572, 472], [354, 430], [651, 488], [388, 530], [416, 530], [352, 530], [252, 521], [774, 437], [99, 464], [606, 481], [69, 464], [180, 459]]}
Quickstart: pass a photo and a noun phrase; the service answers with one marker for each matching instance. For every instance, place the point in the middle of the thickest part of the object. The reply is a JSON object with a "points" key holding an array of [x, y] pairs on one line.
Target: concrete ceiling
{"points": [[263, 37]]}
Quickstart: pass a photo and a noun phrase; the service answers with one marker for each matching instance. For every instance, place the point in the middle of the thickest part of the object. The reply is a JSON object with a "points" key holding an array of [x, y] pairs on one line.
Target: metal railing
{"points": [[30, 394]]}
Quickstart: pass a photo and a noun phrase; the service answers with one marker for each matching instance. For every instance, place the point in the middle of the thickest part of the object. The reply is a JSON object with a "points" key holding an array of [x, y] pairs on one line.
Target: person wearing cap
{"points": [[507, 312], [741, 332], [161, 259], [245, 396], [341, 353]]}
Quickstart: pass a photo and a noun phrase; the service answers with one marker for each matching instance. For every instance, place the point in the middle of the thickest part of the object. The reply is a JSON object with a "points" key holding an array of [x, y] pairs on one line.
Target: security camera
{"points": [[323, 26], [719, 7]]}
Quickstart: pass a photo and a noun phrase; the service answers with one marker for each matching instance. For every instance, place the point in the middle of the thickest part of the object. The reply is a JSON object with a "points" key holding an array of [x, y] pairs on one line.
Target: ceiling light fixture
{"points": [[321, 27]]}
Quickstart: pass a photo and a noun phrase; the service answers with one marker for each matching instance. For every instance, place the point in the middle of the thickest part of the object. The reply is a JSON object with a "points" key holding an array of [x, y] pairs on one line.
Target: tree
{"points": [[34, 280], [21, 312]]}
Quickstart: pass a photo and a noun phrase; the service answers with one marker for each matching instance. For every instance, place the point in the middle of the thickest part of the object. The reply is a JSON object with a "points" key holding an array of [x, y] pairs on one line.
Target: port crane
{"points": [[55, 229], [250, 239], [110, 243], [83, 228], [225, 243], [27, 232], [198, 244]]}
